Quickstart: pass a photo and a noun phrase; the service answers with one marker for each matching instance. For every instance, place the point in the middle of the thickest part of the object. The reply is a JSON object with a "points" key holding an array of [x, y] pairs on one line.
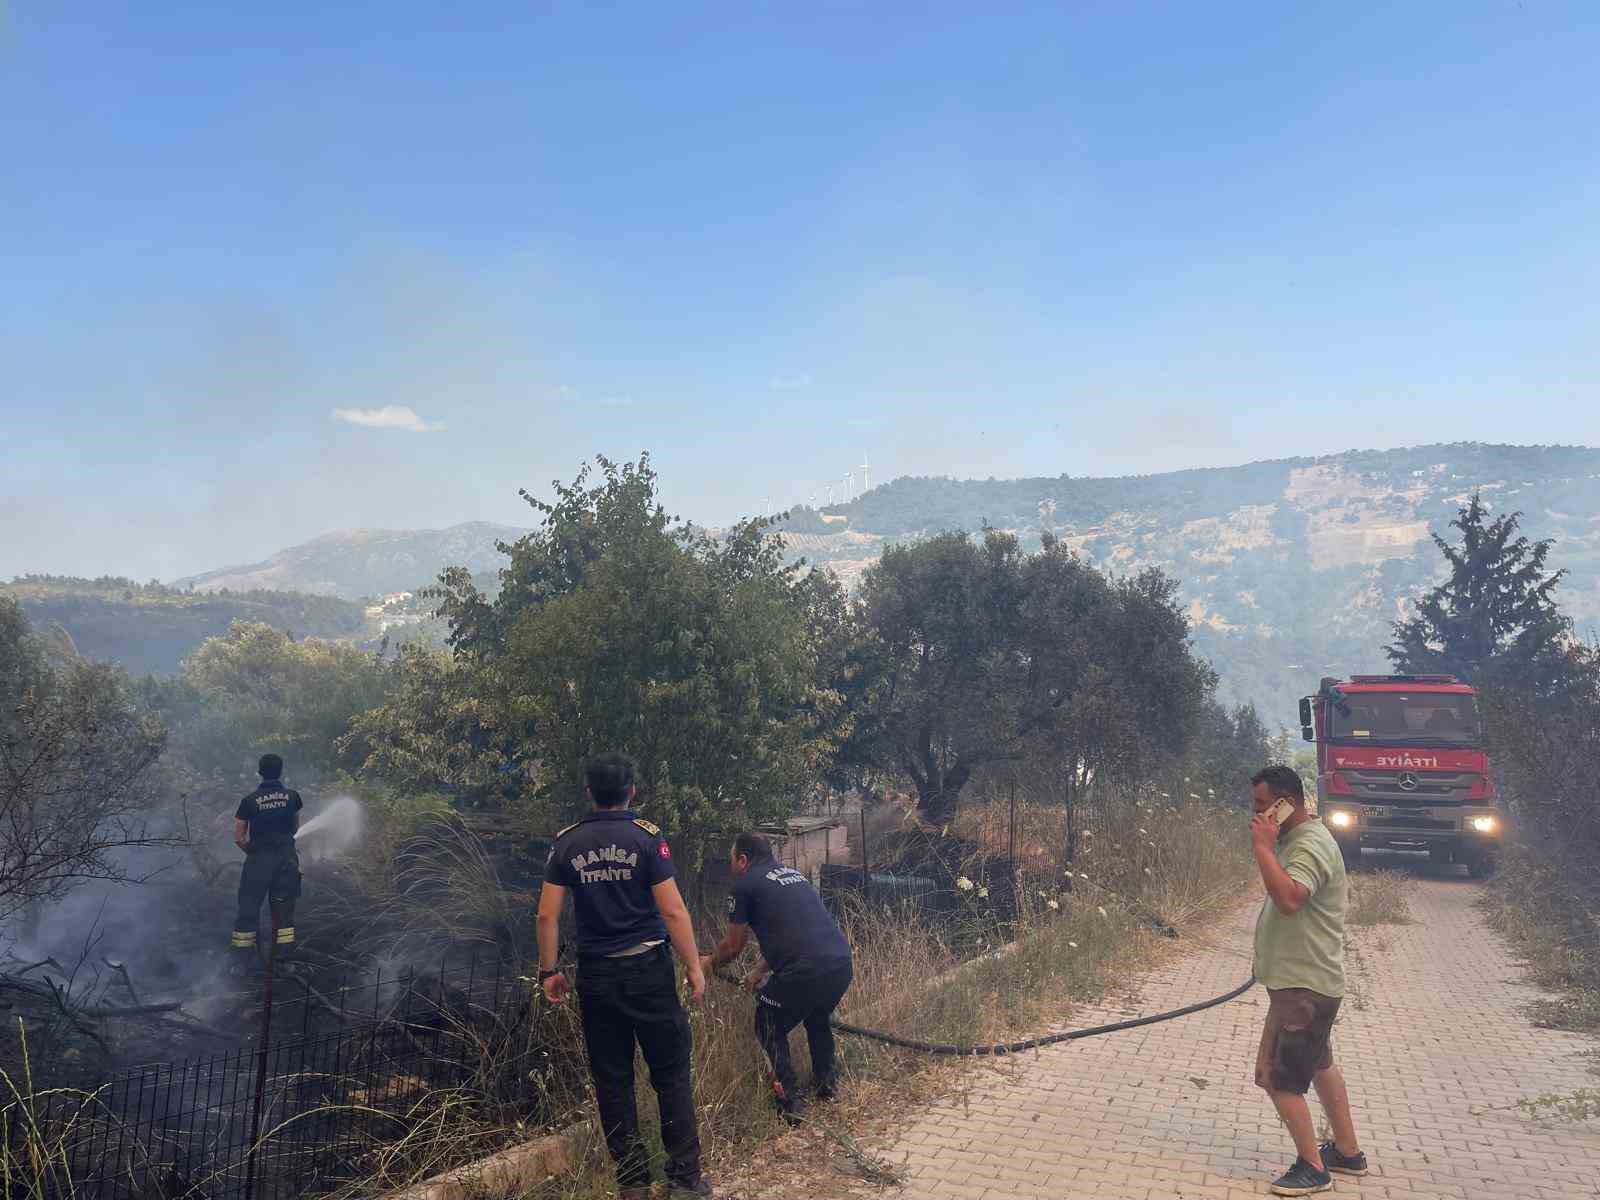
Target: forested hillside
{"points": [[149, 628]]}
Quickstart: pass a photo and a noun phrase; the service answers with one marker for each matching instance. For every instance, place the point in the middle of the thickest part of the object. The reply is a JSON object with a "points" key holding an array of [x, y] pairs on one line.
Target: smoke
{"points": [[151, 925], [333, 831]]}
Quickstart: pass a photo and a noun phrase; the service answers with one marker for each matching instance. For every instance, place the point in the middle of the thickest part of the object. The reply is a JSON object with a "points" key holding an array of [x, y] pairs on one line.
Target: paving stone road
{"points": [[1433, 1033]]}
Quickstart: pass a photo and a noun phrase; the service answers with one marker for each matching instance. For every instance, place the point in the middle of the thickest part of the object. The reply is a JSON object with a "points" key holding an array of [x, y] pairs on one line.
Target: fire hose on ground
{"points": [[996, 1049]]}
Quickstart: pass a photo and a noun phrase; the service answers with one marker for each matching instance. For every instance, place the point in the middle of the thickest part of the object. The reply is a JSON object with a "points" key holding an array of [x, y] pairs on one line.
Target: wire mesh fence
{"points": [[301, 1116]]}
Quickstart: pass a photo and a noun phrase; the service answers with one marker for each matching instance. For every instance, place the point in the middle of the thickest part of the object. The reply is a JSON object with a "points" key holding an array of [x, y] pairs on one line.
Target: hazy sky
{"points": [[966, 239]]}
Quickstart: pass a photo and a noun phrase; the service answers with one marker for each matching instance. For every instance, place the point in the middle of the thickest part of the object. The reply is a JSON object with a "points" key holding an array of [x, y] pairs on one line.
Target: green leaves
{"points": [[616, 627], [965, 654], [1494, 620]]}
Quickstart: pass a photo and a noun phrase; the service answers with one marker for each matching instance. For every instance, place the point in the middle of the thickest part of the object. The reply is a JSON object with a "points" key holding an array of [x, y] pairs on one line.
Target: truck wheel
{"points": [[1482, 867]]}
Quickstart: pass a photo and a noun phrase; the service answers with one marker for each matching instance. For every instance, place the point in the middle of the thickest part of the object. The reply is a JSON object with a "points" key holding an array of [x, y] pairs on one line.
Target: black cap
{"points": [[270, 767]]}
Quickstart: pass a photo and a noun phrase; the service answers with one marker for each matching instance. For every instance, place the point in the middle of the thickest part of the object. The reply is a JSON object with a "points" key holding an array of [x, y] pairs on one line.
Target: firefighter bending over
{"points": [[805, 966], [264, 827]]}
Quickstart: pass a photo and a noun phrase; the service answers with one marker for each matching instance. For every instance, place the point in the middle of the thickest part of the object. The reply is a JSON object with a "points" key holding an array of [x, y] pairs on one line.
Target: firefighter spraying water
{"points": [[264, 828]]}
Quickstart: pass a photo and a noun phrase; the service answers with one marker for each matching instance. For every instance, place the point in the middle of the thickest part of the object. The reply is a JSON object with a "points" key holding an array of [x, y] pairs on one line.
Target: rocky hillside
{"points": [[1291, 569], [359, 563]]}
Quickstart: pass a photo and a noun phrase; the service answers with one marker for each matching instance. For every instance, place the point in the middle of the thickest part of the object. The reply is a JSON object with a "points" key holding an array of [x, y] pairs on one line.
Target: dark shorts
{"points": [[1297, 1041]]}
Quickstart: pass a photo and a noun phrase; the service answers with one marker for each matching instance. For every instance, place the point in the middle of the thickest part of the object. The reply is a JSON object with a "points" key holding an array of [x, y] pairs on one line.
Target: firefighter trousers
{"points": [[270, 871], [620, 1001], [806, 994]]}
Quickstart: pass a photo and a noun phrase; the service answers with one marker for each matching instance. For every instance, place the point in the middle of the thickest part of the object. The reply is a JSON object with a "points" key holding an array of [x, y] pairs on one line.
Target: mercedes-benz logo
{"points": [[1408, 781]]}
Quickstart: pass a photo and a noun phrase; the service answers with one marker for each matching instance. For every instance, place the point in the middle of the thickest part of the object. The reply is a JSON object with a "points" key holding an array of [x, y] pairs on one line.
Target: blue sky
{"points": [[1093, 239]]}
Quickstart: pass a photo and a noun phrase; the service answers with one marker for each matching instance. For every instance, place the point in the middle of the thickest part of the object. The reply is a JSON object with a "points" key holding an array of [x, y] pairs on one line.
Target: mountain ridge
{"points": [[1288, 568], [355, 564]]}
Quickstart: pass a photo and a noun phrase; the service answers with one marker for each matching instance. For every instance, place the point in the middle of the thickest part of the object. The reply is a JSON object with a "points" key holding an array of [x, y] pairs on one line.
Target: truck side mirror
{"points": [[1307, 729]]}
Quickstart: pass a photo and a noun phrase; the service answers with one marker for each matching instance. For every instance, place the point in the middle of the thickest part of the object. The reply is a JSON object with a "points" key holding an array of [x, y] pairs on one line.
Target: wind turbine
{"points": [[830, 495], [866, 474], [849, 480]]}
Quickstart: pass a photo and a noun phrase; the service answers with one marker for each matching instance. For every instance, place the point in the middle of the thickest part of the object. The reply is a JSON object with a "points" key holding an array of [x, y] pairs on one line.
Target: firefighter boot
{"points": [[241, 954]]}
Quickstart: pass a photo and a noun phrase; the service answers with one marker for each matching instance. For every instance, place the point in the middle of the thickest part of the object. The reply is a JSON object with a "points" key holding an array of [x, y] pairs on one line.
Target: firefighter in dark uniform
{"points": [[618, 868], [805, 966], [264, 827]]}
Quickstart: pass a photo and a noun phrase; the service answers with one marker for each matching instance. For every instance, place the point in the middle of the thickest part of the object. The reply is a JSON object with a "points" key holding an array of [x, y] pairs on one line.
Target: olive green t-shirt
{"points": [[1306, 950]]}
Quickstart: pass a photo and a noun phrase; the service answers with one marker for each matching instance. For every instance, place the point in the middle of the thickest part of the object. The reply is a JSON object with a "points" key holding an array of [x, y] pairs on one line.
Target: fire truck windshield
{"points": [[1392, 717]]}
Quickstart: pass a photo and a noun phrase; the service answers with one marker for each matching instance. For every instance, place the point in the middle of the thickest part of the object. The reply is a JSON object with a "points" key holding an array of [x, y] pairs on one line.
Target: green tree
{"points": [[438, 728], [617, 627], [1232, 745], [1494, 621], [76, 780], [257, 689], [970, 653]]}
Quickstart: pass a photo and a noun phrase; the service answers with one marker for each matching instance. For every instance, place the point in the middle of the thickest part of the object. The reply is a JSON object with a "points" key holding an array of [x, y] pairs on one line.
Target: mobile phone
{"points": [[1281, 812]]}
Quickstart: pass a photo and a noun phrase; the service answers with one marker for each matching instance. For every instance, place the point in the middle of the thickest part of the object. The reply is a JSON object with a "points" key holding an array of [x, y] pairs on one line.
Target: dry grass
{"points": [[910, 980], [1076, 932], [1534, 904], [1380, 898]]}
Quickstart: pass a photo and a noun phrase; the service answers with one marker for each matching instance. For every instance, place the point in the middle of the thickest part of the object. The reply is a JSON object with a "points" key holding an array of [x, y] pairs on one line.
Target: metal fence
{"points": [[303, 1115]]}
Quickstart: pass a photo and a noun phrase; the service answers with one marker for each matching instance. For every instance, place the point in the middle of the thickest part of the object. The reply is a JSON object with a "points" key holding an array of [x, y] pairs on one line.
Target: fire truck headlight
{"points": [[1340, 819], [1483, 824]]}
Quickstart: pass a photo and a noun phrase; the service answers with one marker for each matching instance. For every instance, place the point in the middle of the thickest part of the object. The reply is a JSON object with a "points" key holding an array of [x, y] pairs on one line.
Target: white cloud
{"points": [[390, 416]]}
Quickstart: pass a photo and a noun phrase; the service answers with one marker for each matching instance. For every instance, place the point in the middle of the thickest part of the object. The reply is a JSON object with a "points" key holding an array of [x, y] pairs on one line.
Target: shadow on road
{"points": [[1415, 864]]}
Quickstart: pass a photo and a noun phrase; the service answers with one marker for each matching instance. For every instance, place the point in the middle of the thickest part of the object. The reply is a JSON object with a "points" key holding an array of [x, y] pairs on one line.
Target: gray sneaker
{"points": [[1345, 1164], [1302, 1179]]}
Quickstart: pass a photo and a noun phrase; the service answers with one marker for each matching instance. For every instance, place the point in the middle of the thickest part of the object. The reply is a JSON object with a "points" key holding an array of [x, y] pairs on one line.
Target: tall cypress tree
{"points": [[1494, 621]]}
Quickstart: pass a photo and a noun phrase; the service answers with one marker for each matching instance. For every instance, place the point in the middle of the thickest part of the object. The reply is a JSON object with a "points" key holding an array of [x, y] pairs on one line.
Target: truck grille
{"points": [[1434, 786], [1408, 821]]}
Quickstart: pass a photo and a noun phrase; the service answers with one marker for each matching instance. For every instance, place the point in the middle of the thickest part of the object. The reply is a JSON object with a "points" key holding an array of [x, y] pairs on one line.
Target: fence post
{"points": [[1012, 855], [261, 1067], [866, 860]]}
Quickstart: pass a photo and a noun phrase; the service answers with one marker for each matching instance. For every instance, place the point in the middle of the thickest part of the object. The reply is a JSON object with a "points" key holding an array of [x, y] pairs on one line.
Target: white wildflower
{"points": [[1194, 795], [964, 884], [1146, 832], [1147, 870], [1074, 945], [1100, 910], [1054, 907], [983, 893]]}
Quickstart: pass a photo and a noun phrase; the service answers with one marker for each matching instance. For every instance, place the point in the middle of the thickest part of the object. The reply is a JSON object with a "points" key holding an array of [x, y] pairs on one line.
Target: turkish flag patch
{"points": [[665, 853]]}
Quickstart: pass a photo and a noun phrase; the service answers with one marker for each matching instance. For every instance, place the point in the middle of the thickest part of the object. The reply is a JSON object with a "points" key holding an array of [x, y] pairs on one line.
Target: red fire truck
{"points": [[1401, 766]]}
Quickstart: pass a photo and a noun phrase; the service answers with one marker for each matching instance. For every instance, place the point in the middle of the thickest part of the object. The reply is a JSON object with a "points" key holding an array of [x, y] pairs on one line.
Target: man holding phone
{"points": [[1299, 958]]}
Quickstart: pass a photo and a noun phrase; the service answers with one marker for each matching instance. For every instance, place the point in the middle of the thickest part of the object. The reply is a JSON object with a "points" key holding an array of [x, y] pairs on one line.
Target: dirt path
{"points": [[1432, 1039]]}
